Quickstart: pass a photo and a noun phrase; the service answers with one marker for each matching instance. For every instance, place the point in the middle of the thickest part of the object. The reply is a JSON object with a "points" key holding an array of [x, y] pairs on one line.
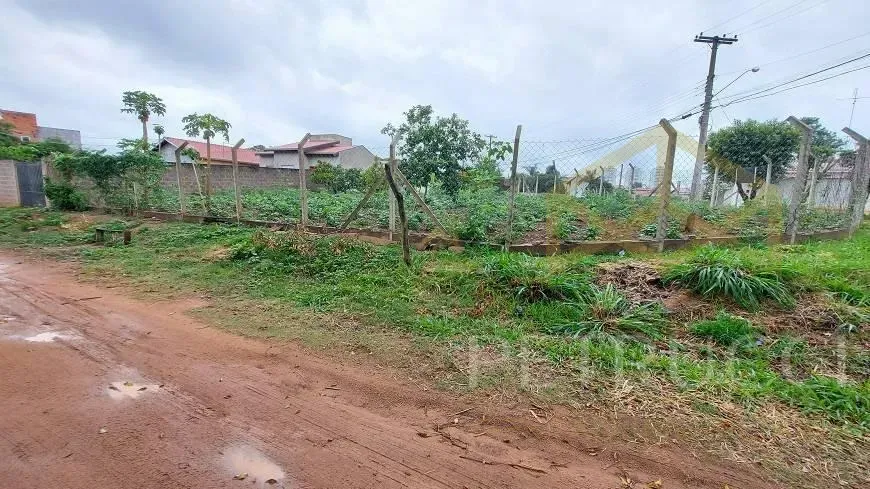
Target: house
{"points": [[832, 189], [220, 154], [26, 128], [331, 148]]}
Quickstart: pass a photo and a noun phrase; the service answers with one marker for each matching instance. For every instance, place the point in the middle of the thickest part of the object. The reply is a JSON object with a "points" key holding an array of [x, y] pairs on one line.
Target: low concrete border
{"points": [[425, 241]]}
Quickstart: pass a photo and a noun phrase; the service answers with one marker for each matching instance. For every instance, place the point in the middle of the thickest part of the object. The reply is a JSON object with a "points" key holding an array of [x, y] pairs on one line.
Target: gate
{"points": [[30, 187]]}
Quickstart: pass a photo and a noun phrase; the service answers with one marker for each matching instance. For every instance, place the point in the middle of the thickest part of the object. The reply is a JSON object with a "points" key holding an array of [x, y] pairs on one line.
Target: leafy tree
{"points": [[488, 171], [742, 147], [30, 151], [207, 126], [258, 147], [6, 136], [435, 146], [158, 130], [116, 177], [826, 143], [336, 178], [142, 104]]}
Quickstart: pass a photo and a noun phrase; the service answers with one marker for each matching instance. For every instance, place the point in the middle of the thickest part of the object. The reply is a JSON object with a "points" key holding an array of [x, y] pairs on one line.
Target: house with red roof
{"points": [[220, 154], [334, 149]]}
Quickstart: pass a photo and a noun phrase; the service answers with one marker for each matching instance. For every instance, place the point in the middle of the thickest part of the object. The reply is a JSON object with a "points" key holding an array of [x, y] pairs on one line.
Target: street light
{"points": [[754, 69]]}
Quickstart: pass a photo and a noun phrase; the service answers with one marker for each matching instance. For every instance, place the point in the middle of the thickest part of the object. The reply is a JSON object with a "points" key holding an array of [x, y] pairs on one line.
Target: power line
{"points": [[785, 17], [752, 97], [805, 76], [757, 21], [737, 16]]}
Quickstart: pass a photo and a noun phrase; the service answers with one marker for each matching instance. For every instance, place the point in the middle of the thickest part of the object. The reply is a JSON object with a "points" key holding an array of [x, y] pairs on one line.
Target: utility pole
{"points": [[490, 137], [854, 99], [714, 42]]}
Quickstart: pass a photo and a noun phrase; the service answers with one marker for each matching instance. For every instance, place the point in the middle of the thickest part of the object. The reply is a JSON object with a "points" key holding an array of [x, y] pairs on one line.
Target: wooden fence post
{"points": [[601, 182], [400, 205], [631, 179], [178, 151], [403, 181], [235, 152], [800, 178], [555, 177], [513, 196], [860, 180], [390, 195], [665, 198], [303, 182]]}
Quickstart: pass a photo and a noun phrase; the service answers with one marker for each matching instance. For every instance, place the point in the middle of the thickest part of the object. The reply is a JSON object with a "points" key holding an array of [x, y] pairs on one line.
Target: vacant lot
{"points": [[756, 355]]}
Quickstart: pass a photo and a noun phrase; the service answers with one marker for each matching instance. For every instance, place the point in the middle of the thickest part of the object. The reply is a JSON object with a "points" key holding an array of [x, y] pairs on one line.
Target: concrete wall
{"points": [[357, 157], [70, 136], [8, 184], [222, 177]]}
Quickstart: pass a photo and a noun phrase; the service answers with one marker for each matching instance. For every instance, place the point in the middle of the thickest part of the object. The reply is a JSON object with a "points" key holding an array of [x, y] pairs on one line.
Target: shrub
{"points": [[64, 196], [726, 329], [618, 204], [673, 230], [606, 310], [718, 271], [336, 178]]}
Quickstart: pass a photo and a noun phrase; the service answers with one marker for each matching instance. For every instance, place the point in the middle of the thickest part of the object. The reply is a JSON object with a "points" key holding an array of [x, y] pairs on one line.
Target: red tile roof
{"points": [[23, 123], [219, 152], [332, 150]]}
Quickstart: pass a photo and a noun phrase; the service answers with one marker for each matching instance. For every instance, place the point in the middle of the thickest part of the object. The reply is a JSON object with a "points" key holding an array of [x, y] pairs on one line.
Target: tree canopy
{"points": [[432, 146], [142, 104]]}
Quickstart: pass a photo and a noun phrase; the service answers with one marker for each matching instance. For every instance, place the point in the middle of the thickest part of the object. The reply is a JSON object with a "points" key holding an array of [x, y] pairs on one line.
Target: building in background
{"points": [[220, 154], [25, 127], [334, 149]]}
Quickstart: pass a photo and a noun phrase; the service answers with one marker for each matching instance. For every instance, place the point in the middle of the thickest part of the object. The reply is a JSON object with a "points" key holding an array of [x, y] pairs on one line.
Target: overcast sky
{"points": [[564, 69]]}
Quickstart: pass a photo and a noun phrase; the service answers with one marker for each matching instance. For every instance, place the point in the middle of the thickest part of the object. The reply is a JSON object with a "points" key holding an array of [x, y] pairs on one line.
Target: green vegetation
{"points": [[551, 314], [726, 329], [718, 272]]}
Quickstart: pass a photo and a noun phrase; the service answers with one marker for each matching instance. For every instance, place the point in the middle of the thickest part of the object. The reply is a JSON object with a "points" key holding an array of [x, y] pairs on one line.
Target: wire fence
{"points": [[638, 185]]}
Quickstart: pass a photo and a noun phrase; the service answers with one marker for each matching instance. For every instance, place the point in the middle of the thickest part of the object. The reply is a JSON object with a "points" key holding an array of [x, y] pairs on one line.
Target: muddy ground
{"points": [[99, 390]]}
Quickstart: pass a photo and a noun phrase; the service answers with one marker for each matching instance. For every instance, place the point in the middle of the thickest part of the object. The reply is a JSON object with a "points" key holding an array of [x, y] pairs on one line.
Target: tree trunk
{"points": [[742, 192], [145, 134]]}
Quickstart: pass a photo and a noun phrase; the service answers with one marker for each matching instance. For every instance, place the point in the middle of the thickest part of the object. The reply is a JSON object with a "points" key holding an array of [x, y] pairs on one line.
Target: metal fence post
{"points": [[303, 182], [235, 152], [665, 198], [715, 186], [178, 151], [513, 196], [797, 193], [860, 180], [767, 177]]}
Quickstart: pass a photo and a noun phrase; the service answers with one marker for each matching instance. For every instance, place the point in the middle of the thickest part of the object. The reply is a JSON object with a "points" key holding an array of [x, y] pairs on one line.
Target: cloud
{"points": [[565, 70]]}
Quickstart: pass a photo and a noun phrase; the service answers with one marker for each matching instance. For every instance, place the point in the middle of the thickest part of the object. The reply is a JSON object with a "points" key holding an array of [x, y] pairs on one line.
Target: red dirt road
{"points": [[102, 391]]}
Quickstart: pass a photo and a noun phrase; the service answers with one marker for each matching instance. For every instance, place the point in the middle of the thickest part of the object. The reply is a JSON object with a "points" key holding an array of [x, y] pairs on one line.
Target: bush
{"points": [[718, 271], [606, 310], [673, 230], [726, 329], [336, 178], [618, 204], [64, 196]]}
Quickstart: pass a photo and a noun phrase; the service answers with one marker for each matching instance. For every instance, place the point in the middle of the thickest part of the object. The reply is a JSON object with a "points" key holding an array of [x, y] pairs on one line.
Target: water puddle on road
{"points": [[248, 464], [130, 390]]}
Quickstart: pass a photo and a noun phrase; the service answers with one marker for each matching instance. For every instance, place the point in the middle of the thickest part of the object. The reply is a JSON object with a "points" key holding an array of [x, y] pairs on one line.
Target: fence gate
{"points": [[30, 184]]}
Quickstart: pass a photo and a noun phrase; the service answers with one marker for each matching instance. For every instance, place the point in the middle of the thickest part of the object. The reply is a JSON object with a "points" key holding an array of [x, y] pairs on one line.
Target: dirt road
{"points": [[102, 391]]}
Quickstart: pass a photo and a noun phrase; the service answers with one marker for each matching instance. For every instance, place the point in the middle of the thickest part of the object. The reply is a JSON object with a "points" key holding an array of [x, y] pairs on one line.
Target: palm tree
{"points": [[158, 130], [208, 126], [143, 104]]}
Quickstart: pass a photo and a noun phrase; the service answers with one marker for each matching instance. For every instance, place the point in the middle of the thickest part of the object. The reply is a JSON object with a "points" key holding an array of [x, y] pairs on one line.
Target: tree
{"points": [[158, 130], [826, 144], [487, 172], [742, 146], [258, 147], [435, 146], [143, 104], [208, 126]]}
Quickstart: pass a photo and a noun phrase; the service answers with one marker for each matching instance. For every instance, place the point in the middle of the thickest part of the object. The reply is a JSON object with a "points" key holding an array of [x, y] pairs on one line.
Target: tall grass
{"points": [[720, 272], [605, 310]]}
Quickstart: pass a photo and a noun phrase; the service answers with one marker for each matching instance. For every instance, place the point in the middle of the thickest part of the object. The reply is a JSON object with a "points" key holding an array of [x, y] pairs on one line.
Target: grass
{"points": [[719, 272], [546, 314]]}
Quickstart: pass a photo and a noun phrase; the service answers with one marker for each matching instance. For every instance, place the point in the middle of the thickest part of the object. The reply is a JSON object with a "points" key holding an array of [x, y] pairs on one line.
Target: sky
{"points": [[565, 70]]}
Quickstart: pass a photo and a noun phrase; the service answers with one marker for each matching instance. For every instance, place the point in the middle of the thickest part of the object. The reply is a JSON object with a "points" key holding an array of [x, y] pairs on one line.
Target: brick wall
{"points": [[8, 184], [222, 177]]}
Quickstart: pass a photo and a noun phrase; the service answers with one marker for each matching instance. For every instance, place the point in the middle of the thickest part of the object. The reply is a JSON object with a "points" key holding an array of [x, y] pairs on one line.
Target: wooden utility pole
{"points": [[235, 152], [513, 197], [303, 182], [703, 122]]}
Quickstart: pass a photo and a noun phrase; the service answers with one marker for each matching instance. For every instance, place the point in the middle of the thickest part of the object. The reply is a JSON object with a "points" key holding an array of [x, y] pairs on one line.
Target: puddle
{"points": [[244, 461], [47, 337], [130, 390]]}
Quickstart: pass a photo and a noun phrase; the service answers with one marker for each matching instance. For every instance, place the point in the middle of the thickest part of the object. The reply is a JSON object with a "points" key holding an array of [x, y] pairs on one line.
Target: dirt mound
{"points": [[639, 281]]}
